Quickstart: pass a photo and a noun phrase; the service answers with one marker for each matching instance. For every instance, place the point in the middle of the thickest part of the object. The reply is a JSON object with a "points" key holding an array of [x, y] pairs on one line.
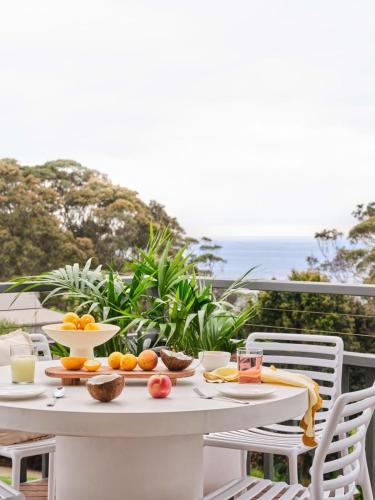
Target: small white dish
{"points": [[14, 391], [211, 360], [236, 390]]}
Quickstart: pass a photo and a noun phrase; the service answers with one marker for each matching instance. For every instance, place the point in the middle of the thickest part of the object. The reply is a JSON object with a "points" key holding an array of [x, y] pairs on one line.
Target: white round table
{"points": [[137, 447]]}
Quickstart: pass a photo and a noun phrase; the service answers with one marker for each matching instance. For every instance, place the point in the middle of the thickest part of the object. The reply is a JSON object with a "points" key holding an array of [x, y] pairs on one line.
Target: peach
{"points": [[148, 360], [159, 386]]}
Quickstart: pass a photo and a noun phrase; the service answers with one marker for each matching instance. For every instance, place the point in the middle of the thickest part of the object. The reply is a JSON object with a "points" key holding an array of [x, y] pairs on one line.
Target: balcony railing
{"points": [[354, 362]]}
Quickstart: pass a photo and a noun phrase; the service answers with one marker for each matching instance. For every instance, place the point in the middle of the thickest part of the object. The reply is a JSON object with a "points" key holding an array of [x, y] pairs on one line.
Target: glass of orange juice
{"points": [[249, 363]]}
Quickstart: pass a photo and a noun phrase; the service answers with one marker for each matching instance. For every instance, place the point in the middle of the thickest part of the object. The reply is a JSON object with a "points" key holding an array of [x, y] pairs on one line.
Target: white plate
{"points": [[14, 391], [236, 390]]}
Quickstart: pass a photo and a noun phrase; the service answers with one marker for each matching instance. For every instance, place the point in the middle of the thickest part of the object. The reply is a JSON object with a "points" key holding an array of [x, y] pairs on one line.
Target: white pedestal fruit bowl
{"points": [[81, 342]]}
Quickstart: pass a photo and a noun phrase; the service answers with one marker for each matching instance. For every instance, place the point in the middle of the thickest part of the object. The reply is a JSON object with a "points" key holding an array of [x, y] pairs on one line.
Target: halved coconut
{"points": [[175, 361], [105, 387]]}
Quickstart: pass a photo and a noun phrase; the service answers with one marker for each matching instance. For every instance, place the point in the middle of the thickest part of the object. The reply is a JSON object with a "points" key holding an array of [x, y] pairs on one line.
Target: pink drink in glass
{"points": [[249, 362]]}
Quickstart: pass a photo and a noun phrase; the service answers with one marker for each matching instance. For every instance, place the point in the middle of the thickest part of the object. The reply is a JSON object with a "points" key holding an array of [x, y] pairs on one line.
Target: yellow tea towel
{"points": [[272, 375]]}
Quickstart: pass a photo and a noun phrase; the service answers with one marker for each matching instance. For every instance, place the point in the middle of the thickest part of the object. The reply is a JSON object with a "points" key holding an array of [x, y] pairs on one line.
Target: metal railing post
{"points": [[268, 465], [370, 436], [345, 383]]}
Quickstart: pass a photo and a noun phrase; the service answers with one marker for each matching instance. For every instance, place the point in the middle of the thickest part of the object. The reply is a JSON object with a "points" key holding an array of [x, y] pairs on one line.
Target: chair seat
{"points": [[262, 440], [252, 488], [263, 489]]}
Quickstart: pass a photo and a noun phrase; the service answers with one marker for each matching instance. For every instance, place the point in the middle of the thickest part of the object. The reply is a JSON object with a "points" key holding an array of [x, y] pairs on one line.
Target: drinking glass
{"points": [[22, 363], [249, 362]]}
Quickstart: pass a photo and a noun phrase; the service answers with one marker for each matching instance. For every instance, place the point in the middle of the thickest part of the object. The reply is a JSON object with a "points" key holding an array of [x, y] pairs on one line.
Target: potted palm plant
{"points": [[161, 301]]}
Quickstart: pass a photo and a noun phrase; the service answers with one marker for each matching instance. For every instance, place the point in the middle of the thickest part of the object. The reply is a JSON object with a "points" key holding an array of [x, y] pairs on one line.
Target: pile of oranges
{"points": [[71, 321], [147, 360]]}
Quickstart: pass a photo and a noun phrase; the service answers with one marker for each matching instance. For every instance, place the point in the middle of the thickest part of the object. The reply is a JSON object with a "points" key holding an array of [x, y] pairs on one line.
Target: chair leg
{"points": [[244, 471], [51, 477], [293, 469], [364, 481], [16, 472]]}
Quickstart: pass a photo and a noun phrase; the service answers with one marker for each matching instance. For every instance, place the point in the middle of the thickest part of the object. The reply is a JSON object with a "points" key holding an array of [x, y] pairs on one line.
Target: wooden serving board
{"points": [[73, 377]]}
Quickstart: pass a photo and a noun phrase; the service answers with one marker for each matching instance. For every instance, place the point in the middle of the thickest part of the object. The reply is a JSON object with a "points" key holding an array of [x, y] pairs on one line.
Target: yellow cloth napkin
{"points": [[272, 375], [222, 375]]}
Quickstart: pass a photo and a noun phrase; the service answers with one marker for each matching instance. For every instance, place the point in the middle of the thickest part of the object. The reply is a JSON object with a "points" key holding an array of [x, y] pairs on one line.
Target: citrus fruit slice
{"points": [[92, 365]]}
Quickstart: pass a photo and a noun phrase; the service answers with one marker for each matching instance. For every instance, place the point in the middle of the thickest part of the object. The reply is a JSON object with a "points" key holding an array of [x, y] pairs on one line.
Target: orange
{"points": [[128, 362], [85, 320], [92, 326], [71, 317], [68, 326], [73, 362], [92, 365], [114, 360]]}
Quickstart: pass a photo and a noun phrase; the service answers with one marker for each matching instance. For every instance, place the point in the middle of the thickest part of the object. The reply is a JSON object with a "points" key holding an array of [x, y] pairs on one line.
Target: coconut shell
{"points": [[173, 362], [105, 387]]}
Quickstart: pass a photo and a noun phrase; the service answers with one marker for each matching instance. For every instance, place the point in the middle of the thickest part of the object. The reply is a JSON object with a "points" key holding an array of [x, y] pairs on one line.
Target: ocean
{"points": [[275, 257]]}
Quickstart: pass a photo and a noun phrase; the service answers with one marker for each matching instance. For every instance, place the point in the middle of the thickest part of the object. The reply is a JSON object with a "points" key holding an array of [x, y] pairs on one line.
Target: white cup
{"points": [[211, 360]]}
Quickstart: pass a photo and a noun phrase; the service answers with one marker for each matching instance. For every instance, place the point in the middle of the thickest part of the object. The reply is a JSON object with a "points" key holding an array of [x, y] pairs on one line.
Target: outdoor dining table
{"points": [[137, 447]]}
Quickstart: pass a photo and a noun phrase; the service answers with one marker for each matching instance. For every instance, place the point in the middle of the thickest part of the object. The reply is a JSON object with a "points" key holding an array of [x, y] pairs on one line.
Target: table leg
{"points": [[148, 468], [70, 381], [222, 465]]}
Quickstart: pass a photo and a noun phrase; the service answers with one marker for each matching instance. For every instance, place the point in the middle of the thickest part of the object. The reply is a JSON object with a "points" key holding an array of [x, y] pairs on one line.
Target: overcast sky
{"points": [[253, 117]]}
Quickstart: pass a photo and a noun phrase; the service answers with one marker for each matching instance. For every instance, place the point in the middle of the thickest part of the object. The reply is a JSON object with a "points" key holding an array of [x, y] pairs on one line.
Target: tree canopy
{"points": [[356, 260], [327, 314], [64, 212]]}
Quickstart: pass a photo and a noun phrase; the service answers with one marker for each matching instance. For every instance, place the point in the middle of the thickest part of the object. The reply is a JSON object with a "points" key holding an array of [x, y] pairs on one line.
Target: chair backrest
{"points": [[41, 343], [320, 357], [339, 461]]}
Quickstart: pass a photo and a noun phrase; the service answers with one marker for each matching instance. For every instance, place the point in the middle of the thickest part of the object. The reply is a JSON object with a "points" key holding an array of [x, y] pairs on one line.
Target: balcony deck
{"points": [[36, 490], [365, 362]]}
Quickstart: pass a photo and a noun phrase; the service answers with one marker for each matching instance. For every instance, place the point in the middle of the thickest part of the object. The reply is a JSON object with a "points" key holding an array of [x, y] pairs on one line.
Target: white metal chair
{"points": [[339, 462], [317, 356], [16, 452], [6, 492]]}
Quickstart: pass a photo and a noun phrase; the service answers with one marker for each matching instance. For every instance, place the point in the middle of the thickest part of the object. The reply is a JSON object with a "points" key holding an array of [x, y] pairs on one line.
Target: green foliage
{"points": [[104, 294], [31, 238], [162, 295], [344, 262], [7, 326], [63, 212], [316, 313], [192, 319], [203, 255]]}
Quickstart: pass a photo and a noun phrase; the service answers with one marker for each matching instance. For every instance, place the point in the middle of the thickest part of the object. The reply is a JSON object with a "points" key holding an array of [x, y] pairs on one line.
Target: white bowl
{"points": [[211, 360], [81, 342]]}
